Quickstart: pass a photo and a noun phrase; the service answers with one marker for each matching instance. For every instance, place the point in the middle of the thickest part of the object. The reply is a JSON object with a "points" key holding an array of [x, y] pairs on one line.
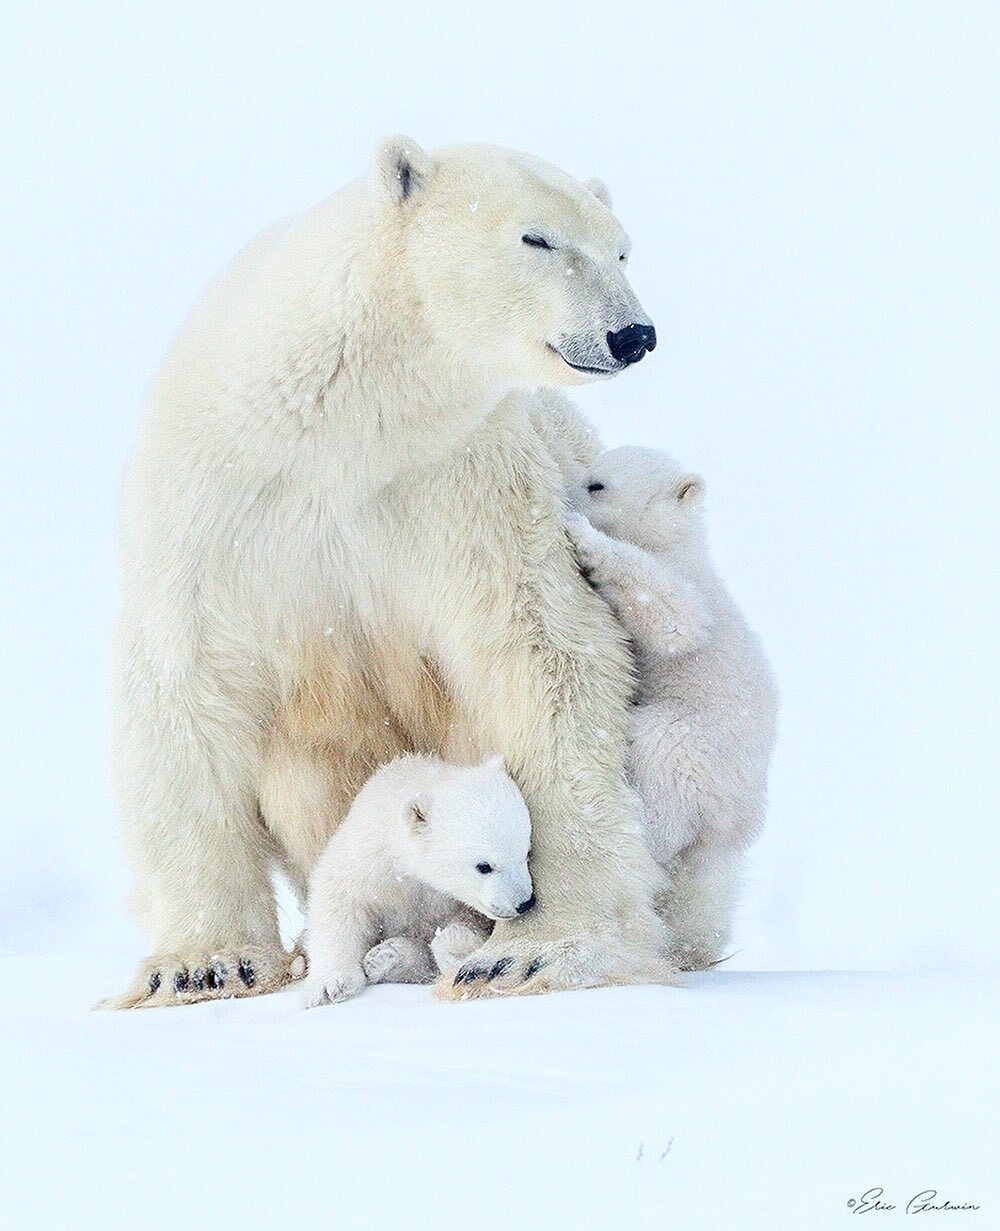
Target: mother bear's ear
{"points": [[600, 190], [401, 169]]}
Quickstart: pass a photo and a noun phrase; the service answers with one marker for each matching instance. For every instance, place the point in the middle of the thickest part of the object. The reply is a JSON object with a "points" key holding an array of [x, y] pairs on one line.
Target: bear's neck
{"points": [[691, 560], [395, 398], [331, 376], [694, 563]]}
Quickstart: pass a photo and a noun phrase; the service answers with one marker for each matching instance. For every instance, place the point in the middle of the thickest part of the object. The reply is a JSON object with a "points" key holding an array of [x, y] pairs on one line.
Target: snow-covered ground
{"points": [[739, 1100]]}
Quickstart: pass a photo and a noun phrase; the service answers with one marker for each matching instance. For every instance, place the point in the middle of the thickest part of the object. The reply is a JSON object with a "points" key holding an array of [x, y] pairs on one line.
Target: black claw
{"points": [[499, 968], [181, 981], [215, 978], [247, 972], [198, 980], [154, 982], [469, 974], [532, 969]]}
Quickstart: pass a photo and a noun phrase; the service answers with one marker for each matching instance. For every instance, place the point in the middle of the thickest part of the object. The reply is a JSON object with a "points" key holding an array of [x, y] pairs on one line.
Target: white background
{"points": [[811, 191]]}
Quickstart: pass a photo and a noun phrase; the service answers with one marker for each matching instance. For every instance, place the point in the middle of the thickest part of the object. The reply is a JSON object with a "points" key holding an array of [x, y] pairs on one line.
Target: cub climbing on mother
{"points": [[343, 542]]}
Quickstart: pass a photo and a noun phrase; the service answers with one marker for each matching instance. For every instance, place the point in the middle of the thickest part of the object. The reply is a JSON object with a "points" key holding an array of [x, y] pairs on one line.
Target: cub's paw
{"points": [[400, 959], [589, 544], [187, 977], [332, 986], [522, 966], [687, 624], [298, 963], [452, 945]]}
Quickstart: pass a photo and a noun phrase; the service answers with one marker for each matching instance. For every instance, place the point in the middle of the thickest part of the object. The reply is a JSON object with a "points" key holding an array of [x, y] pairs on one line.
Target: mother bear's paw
{"points": [[522, 966], [192, 975]]}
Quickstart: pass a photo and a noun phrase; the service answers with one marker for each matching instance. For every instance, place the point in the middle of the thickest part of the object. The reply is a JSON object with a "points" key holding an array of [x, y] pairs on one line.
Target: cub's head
{"points": [[643, 497], [516, 266], [469, 837]]}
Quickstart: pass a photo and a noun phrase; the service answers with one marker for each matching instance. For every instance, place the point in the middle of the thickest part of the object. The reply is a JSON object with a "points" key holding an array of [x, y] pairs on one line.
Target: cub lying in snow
{"points": [[426, 850], [704, 724]]}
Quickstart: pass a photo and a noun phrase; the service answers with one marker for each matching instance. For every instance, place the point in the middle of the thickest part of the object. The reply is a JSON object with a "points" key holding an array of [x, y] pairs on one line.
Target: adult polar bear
{"points": [[342, 541]]}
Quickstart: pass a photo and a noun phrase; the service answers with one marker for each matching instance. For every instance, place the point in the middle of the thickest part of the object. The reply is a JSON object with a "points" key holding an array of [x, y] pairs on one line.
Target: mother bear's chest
{"points": [[433, 527]]}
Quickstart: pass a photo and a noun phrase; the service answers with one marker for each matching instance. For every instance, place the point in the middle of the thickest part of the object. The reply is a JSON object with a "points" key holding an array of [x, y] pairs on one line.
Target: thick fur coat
{"points": [[703, 726], [342, 541], [427, 855]]}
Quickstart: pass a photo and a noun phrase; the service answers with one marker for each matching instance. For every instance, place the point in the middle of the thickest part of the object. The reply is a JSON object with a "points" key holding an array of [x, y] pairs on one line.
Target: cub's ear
{"points": [[401, 169], [417, 813], [600, 190], [690, 489], [495, 763]]}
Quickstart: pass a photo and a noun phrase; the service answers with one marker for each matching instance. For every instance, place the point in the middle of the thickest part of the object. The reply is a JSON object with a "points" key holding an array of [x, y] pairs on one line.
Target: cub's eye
{"points": [[622, 256], [485, 868], [535, 241], [595, 487]]}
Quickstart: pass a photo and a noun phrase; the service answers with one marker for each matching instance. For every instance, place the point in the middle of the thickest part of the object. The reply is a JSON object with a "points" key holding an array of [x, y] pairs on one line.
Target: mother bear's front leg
{"points": [[546, 679]]}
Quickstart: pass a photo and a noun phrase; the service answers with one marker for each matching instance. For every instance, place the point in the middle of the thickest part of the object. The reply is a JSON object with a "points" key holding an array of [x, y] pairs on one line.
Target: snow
{"points": [[737, 1100]]}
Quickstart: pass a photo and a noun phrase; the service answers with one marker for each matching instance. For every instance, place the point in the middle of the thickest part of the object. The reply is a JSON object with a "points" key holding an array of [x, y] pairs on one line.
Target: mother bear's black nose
{"points": [[526, 905], [629, 345]]}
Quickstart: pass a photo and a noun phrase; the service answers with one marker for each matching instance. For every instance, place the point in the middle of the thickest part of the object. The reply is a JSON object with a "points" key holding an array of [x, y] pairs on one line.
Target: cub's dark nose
{"points": [[629, 345], [526, 905]]}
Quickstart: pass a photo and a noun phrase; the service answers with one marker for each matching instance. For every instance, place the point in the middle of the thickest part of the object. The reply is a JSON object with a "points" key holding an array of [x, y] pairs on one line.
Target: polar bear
{"points": [[571, 439], [704, 723], [423, 840], [342, 541]]}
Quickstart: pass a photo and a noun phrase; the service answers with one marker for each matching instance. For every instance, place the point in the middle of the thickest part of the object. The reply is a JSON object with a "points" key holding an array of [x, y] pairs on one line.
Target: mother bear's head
{"points": [[515, 264]]}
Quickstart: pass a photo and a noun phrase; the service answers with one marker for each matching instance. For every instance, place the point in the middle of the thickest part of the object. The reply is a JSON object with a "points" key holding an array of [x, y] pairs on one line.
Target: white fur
{"points": [[571, 440], [403, 863], [342, 541], [704, 723]]}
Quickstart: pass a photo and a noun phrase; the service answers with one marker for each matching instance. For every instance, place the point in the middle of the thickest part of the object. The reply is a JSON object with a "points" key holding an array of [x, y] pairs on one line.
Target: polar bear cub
{"points": [[428, 854], [703, 727]]}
